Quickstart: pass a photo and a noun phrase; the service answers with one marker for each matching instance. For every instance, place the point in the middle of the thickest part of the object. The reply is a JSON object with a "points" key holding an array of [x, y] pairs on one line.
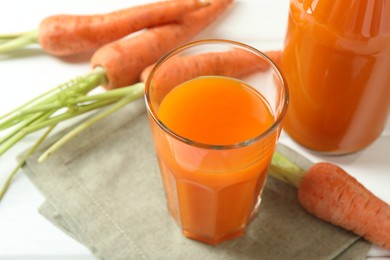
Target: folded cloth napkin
{"points": [[104, 189]]}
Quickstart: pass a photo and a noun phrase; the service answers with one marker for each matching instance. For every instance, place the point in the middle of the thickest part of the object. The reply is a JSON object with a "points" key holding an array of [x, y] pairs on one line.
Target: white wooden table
{"points": [[24, 234]]}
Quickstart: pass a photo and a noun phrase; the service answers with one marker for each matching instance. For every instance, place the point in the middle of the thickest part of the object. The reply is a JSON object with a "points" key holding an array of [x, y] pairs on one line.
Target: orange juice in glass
{"points": [[215, 136]]}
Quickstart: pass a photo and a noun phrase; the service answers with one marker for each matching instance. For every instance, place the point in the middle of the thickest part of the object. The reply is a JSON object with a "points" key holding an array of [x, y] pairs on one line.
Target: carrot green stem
{"points": [[21, 132], [285, 170], [14, 121], [33, 125], [19, 42], [68, 115], [19, 127], [23, 161], [112, 94], [29, 103], [103, 99], [38, 108], [60, 96], [9, 36], [135, 92]]}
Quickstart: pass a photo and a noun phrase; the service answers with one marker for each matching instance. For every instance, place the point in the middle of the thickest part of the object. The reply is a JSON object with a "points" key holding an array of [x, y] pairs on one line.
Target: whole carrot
{"points": [[234, 63], [124, 60], [331, 194], [231, 63], [63, 35]]}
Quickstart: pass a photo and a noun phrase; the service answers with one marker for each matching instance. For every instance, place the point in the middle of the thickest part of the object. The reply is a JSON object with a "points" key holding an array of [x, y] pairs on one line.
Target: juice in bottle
{"points": [[336, 62], [212, 192]]}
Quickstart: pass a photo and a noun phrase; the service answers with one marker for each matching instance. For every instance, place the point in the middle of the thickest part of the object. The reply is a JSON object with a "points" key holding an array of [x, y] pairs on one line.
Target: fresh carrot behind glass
{"points": [[62, 35], [331, 194], [233, 63]]}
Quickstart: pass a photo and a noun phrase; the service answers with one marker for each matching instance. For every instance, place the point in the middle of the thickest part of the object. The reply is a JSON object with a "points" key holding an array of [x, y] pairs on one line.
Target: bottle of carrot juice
{"points": [[337, 64]]}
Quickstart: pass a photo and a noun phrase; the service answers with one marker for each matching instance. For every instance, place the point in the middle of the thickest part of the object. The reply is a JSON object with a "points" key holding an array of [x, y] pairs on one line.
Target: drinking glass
{"points": [[213, 159]]}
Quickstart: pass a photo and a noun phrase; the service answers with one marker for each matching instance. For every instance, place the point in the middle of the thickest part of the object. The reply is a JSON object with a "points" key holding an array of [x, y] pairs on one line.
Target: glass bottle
{"points": [[337, 64]]}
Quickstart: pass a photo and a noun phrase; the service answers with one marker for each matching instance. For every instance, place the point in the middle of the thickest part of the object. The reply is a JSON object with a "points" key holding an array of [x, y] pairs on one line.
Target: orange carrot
{"points": [[331, 194], [232, 63], [124, 60], [63, 35]]}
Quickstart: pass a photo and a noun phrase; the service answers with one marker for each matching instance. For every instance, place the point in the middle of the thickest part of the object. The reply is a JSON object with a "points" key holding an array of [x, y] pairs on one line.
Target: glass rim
{"points": [[245, 143]]}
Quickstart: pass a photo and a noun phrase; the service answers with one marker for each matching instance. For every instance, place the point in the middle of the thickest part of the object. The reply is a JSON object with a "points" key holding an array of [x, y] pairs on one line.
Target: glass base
{"points": [[214, 241]]}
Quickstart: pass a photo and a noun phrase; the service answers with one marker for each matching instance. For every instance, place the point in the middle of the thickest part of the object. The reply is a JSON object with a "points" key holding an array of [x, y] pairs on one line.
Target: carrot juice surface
{"points": [[213, 192], [215, 110], [336, 62]]}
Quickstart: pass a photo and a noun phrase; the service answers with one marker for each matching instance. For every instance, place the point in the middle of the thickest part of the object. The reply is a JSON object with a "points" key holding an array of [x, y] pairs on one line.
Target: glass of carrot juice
{"points": [[215, 108]]}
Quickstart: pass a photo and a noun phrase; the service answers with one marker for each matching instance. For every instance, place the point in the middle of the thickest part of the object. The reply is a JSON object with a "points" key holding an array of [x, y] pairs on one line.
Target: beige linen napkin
{"points": [[104, 189]]}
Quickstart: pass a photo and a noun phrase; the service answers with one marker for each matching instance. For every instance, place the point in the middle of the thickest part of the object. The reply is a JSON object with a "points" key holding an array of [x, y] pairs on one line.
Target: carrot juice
{"points": [[211, 192], [336, 62], [215, 127]]}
